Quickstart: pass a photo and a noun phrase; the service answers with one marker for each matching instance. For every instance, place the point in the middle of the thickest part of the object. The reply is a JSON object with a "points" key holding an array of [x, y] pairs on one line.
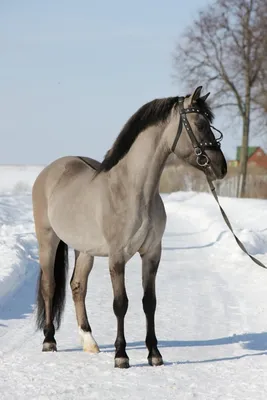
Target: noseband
{"points": [[199, 147]]}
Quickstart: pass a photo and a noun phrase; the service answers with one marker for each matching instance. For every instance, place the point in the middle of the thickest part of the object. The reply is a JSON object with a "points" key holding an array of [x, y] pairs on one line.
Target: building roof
{"points": [[251, 150]]}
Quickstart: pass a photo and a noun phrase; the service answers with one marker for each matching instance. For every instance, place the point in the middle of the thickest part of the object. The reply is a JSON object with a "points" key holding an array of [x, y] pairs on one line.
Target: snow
{"points": [[18, 179], [211, 312], [17, 238]]}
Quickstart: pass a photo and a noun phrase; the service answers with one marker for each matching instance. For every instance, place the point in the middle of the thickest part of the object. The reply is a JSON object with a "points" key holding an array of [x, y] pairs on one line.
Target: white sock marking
{"points": [[89, 343]]}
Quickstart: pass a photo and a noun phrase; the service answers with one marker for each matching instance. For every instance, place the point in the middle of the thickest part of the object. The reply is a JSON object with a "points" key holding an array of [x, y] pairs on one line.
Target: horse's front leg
{"points": [[150, 262], [120, 306]]}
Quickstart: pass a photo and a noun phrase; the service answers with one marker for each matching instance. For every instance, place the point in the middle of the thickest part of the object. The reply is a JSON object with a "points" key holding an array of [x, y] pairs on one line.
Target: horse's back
{"points": [[69, 166]]}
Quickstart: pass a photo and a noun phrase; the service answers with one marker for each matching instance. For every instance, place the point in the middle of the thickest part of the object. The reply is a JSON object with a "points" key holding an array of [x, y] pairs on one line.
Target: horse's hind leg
{"points": [[48, 245], [53, 260], [78, 283], [150, 262]]}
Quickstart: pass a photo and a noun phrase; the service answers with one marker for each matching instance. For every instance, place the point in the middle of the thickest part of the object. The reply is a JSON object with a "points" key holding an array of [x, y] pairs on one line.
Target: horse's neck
{"points": [[143, 165]]}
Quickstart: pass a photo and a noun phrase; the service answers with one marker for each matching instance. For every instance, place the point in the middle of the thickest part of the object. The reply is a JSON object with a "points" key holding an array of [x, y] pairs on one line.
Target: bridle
{"points": [[199, 147]]}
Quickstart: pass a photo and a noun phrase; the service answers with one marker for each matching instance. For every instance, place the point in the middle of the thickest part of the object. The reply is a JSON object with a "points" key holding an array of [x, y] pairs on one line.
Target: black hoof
{"points": [[121, 362], [155, 361], [49, 346]]}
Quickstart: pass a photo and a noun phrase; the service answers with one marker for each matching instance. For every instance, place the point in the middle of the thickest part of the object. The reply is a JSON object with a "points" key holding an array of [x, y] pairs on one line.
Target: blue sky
{"points": [[72, 72]]}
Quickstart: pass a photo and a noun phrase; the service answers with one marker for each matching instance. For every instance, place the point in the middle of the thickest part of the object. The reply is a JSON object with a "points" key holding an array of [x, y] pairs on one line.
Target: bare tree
{"points": [[261, 96], [226, 49]]}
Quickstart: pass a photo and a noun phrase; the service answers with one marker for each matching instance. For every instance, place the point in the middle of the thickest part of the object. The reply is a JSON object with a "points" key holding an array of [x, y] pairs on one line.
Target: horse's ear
{"points": [[204, 98], [196, 94]]}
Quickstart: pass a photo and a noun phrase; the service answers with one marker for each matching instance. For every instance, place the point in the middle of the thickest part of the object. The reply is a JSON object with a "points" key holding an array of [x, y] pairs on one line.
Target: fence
{"points": [[185, 178]]}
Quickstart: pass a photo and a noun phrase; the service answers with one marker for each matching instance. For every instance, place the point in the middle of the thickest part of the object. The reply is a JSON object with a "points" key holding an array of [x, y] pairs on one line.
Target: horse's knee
{"points": [[149, 302], [120, 305]]}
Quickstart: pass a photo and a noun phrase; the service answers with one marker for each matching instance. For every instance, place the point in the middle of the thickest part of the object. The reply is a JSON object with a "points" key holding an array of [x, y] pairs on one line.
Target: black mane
{"points": [[152, 113]]}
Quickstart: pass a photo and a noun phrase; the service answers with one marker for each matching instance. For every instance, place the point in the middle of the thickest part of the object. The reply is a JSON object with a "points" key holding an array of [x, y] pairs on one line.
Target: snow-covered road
{"points": [[211, 318]]}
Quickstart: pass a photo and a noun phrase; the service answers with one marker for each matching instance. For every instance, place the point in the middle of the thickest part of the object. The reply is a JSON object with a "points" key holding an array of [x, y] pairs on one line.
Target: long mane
{"points": [[149, 114], [152, 113]]}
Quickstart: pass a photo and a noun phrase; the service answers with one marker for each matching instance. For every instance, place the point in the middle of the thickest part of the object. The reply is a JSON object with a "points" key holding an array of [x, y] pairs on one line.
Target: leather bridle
{"points": [[199, 147]]}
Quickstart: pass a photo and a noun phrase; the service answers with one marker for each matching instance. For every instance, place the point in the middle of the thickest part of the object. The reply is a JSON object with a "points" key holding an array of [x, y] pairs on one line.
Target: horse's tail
{"points": [[60, 275]]}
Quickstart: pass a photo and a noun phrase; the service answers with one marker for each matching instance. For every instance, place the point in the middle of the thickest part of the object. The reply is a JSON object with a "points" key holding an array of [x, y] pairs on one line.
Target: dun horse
{"points": [[113, 209]]}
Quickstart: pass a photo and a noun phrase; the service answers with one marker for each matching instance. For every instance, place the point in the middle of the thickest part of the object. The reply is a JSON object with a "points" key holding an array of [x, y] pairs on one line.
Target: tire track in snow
{"points": [[221, 267]]}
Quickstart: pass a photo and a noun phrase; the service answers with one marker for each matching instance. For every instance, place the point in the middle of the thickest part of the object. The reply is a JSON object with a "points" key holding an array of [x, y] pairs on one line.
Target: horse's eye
{"points": [[201, 125]]}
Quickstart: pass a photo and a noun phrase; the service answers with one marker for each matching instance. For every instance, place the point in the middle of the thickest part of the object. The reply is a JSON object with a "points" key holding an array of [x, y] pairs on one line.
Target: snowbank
{"points": [[17, 238]]}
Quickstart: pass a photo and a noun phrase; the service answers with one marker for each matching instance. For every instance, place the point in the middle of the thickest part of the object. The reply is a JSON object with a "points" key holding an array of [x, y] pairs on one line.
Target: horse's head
{"points": [[195, 142]]}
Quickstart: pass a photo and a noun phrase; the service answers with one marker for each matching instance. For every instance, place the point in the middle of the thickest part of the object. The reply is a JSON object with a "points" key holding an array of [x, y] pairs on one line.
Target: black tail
{"points": [[60, 274]]}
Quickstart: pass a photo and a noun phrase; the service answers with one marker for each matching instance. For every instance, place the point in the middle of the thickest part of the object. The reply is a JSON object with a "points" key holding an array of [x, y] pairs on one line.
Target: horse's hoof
{"points": [[155, 361], [49, 346], [122, 362]]}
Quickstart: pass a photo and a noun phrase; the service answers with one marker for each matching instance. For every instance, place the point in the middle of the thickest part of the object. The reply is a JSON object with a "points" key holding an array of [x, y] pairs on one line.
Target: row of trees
{"points": [[225, 48]]}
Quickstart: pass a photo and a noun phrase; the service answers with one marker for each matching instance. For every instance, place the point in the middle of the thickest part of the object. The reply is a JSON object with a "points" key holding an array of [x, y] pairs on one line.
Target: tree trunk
{"points": [[243, 159], [245, 143]]}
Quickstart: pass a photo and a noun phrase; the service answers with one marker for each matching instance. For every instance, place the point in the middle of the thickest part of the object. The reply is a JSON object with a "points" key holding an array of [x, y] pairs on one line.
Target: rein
{"points": [[199, 149], [240, 244]]}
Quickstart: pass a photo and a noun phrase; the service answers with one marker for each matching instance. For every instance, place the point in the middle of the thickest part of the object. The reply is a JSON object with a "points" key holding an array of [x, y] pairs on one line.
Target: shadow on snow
{"points": [[248, 341]]}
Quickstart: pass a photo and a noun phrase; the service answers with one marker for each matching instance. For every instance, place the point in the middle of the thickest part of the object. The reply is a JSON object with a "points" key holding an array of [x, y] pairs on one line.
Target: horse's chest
{"points": [[147, 232], [136, 241]]}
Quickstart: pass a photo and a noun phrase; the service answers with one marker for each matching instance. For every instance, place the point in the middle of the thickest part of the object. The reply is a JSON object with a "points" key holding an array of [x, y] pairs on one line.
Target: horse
{"points": [[113, 209]]}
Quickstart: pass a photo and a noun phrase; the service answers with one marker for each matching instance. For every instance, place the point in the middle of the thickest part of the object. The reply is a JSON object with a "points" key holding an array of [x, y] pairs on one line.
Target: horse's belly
{"points": [[94, 245]]}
